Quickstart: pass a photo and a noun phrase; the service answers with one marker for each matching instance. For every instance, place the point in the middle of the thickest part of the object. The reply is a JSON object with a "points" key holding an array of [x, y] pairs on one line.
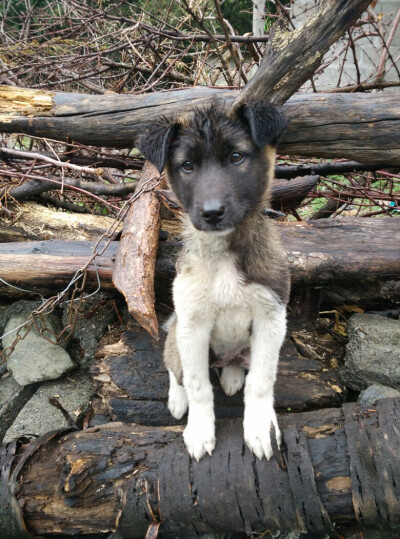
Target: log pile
{"points": [[336, 465]]}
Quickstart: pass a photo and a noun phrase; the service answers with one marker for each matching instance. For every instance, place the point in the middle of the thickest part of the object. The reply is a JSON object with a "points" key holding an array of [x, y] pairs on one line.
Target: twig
{"points": [[42, 185], [34, 155], [228, 41], [381, 67]]}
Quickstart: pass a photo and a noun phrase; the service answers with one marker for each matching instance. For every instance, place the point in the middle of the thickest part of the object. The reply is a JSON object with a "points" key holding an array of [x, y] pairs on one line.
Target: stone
{"points": [[35, 359], [13, 398], [38, 416], [375, 392], [372, 353]]}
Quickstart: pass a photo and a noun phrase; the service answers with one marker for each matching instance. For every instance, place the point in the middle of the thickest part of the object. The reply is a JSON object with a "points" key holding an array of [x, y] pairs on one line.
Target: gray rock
{"points": [[375, 392], [373, 352], [38, 416], [13, 398], [35, 359]]}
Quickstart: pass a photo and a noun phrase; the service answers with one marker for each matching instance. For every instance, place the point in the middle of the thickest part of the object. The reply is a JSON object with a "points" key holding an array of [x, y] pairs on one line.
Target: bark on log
{"points": [[135, 260], [337, 466], [364, 127], [341, 250]]}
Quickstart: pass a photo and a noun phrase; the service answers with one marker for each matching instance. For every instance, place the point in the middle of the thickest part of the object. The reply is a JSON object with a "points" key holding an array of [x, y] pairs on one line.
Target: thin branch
{"points": [[40, 185], [381, 67]]}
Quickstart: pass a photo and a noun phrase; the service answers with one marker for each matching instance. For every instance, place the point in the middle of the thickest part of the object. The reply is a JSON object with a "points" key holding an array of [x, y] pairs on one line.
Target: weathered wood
{"points": [[46, 267], [319, 252], [128, 393], [131, 477], [135, 260], [345, 249], [283, 69], [31, 221], [364, 127]]}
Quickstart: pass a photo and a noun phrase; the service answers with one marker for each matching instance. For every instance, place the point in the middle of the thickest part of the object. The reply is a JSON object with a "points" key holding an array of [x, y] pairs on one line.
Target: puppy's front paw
{"points": [[258, 421], [177, 401], [232, 379], [199, 436]]}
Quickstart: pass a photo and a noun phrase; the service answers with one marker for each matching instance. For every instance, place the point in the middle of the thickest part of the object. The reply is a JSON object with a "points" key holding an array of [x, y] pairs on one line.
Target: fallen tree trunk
{"points": [[364, 127], [319, 252], [333, 470]]}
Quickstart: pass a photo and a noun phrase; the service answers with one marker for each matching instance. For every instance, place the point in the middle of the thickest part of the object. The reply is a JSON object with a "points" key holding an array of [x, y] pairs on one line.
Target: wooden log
{"points": [[336, 467], [363, 127], [129, 393], [31, 221], [135, 260], [343, 250]]}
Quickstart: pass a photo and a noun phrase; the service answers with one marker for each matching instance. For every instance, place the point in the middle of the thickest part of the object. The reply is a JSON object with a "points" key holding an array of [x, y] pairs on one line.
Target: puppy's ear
{"points": [[266, 121], [155, 142]]}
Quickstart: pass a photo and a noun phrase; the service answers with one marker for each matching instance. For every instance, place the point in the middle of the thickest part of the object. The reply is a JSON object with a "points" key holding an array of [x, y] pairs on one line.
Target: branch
{"points": [[58, 163], [38, 185], [136, 258], [323, 169], [292, 57]]}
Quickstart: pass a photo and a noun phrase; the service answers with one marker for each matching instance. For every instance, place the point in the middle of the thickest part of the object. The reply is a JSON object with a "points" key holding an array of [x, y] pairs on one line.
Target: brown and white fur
{"points": [[232, 282]]}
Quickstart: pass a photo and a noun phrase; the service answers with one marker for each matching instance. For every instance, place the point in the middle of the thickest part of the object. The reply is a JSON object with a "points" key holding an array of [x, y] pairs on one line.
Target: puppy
{"points": [[232, 281]]}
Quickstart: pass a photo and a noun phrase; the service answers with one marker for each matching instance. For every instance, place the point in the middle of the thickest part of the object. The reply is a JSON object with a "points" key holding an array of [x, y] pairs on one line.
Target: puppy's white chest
{"points": [[226, 286]]}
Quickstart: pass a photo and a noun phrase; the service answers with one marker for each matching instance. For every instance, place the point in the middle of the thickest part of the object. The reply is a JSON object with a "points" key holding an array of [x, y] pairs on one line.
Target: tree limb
{"points": [[291, 58]]}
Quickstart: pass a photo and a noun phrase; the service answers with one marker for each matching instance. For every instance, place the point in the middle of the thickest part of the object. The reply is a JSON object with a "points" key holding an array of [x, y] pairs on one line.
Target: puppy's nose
{"points": [[213, 213]]}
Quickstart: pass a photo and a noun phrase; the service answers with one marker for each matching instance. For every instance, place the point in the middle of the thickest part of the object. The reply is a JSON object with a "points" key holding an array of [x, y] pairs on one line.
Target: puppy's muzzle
{"points": [[213, 212]]}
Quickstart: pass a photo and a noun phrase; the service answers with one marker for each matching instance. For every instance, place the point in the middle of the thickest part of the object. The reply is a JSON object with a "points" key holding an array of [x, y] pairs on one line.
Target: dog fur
{"points": [[232, 281]]}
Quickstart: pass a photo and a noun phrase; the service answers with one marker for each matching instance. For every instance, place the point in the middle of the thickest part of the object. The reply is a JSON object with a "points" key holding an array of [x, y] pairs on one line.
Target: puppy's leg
{"points": [[193, 337], [177, 398], [232, 379], [259, 415]]}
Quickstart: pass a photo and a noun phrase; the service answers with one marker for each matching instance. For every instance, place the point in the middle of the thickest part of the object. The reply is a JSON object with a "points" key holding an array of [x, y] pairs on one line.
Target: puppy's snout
{"points": [[213, 213]]}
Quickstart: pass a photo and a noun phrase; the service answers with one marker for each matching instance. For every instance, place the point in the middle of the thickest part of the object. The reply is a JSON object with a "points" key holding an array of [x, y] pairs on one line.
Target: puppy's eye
{"points": [[237, 158], [187, 167]]}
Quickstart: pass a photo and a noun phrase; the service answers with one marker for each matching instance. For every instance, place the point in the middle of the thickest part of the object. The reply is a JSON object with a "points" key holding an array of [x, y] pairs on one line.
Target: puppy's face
{"points": [[217, 161]]}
